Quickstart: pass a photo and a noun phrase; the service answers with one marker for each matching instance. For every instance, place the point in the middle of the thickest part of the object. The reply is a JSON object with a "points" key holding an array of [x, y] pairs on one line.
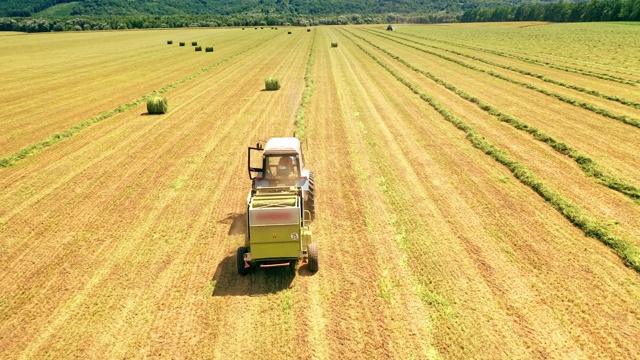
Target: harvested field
{"points": [[465, 208]]}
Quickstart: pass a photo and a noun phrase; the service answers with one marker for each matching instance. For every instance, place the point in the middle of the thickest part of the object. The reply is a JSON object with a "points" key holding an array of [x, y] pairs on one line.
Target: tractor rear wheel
{"points": [[313, 257], [310, 203], [240, 261]]}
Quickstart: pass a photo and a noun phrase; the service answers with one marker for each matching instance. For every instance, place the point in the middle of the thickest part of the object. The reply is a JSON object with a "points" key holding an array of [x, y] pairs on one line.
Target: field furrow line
{"points": [[35, 148], [626, 119], [602, 76], [592, 228], [626, 102], [586, 164]]}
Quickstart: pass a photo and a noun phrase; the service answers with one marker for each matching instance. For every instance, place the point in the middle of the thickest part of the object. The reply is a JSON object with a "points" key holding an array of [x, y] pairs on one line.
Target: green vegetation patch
{"points": [[58, 10]]}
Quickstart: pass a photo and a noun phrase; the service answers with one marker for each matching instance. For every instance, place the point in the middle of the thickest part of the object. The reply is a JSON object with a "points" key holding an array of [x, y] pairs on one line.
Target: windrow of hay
{"points": [[272, 84], [157, 105], [334, 44]]}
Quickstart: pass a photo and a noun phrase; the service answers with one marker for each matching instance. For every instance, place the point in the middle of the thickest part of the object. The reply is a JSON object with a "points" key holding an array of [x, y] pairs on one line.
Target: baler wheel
{"points": [[313, 257]]}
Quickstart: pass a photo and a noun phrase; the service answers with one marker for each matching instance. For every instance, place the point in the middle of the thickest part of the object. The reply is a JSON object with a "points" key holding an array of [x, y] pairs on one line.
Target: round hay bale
{"points": [[209, 49], [334, 44], [242, 28], [289, 32], [181, 43], [169, 42], [198, 48], [308, 30], [157, 105], [194, 43], [271, 84]]}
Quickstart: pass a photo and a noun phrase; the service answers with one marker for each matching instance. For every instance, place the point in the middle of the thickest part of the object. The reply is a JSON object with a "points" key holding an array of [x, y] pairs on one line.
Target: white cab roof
{"points": [[282, 145]]}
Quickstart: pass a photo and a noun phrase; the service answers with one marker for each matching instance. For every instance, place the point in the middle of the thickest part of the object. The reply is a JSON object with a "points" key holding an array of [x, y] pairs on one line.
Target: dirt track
{"points": [[120, 241]]}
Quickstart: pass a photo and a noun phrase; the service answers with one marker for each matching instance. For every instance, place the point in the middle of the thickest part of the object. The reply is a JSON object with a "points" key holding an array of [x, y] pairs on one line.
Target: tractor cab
{"points": [[278, 163]]}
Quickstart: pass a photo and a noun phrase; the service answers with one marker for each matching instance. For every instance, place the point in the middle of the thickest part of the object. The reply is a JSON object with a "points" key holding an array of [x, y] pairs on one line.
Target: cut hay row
{"points": [[585, 163], [626, 102], [629, 120], [35, 148], [601, 76], [629, 254], [271, 84], [300, 121]]}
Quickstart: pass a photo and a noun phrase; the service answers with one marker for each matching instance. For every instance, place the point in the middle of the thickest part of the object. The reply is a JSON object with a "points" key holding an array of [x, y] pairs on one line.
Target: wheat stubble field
{"points": [[478, 193]]}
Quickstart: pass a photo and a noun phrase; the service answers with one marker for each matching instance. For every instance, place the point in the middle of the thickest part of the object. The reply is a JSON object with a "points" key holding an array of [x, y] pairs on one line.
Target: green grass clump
{"points": [[272, 84], [157, 105]]}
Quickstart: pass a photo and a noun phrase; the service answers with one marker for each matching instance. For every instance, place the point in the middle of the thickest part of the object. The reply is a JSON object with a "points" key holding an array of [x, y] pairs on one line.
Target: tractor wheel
{"points": [[310, 204], [313, 257], [240, 261]]}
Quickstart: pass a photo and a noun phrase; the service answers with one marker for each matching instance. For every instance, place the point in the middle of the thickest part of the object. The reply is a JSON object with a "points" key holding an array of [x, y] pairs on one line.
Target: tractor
{"points": [[280, 208]]}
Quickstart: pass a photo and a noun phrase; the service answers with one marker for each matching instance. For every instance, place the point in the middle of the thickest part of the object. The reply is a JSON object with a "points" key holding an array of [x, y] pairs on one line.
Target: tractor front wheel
{"points": [[242, 270], [313, 257]]}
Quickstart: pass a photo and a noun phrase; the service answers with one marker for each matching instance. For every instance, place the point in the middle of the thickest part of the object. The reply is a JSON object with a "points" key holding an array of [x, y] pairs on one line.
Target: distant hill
{"points": [[48, 8]]}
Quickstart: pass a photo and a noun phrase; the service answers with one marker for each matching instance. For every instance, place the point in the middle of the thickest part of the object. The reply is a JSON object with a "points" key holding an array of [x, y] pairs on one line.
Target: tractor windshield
{"points": [[281, 167]]}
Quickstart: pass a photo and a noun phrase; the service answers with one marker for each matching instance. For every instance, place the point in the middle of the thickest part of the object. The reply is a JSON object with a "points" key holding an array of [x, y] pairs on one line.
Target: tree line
{"points": [[596, 10], [180, 21]]}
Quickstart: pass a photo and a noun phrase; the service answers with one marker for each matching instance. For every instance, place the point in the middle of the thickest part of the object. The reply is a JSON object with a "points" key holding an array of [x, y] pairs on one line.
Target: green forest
{"points": [[66, 15], [597, 10], [27, 8]]}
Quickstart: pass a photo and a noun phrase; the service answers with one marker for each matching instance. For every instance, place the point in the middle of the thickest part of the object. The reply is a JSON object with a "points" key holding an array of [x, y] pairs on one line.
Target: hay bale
{"points": [[334, 44], [157, 105], [209, 49], [181, 43], [308, 30], [194, 43], [169, 42], [271, 84], [198, 48], [242, 28], [289, 32]]}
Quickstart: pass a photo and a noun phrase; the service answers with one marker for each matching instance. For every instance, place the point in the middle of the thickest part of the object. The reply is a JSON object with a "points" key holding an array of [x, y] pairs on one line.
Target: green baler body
{"points": [[276, 230]]}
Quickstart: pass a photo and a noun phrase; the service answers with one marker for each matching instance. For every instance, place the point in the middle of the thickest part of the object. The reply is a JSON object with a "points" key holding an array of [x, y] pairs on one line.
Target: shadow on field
{"points": [[259, 281], [238, 223]]}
